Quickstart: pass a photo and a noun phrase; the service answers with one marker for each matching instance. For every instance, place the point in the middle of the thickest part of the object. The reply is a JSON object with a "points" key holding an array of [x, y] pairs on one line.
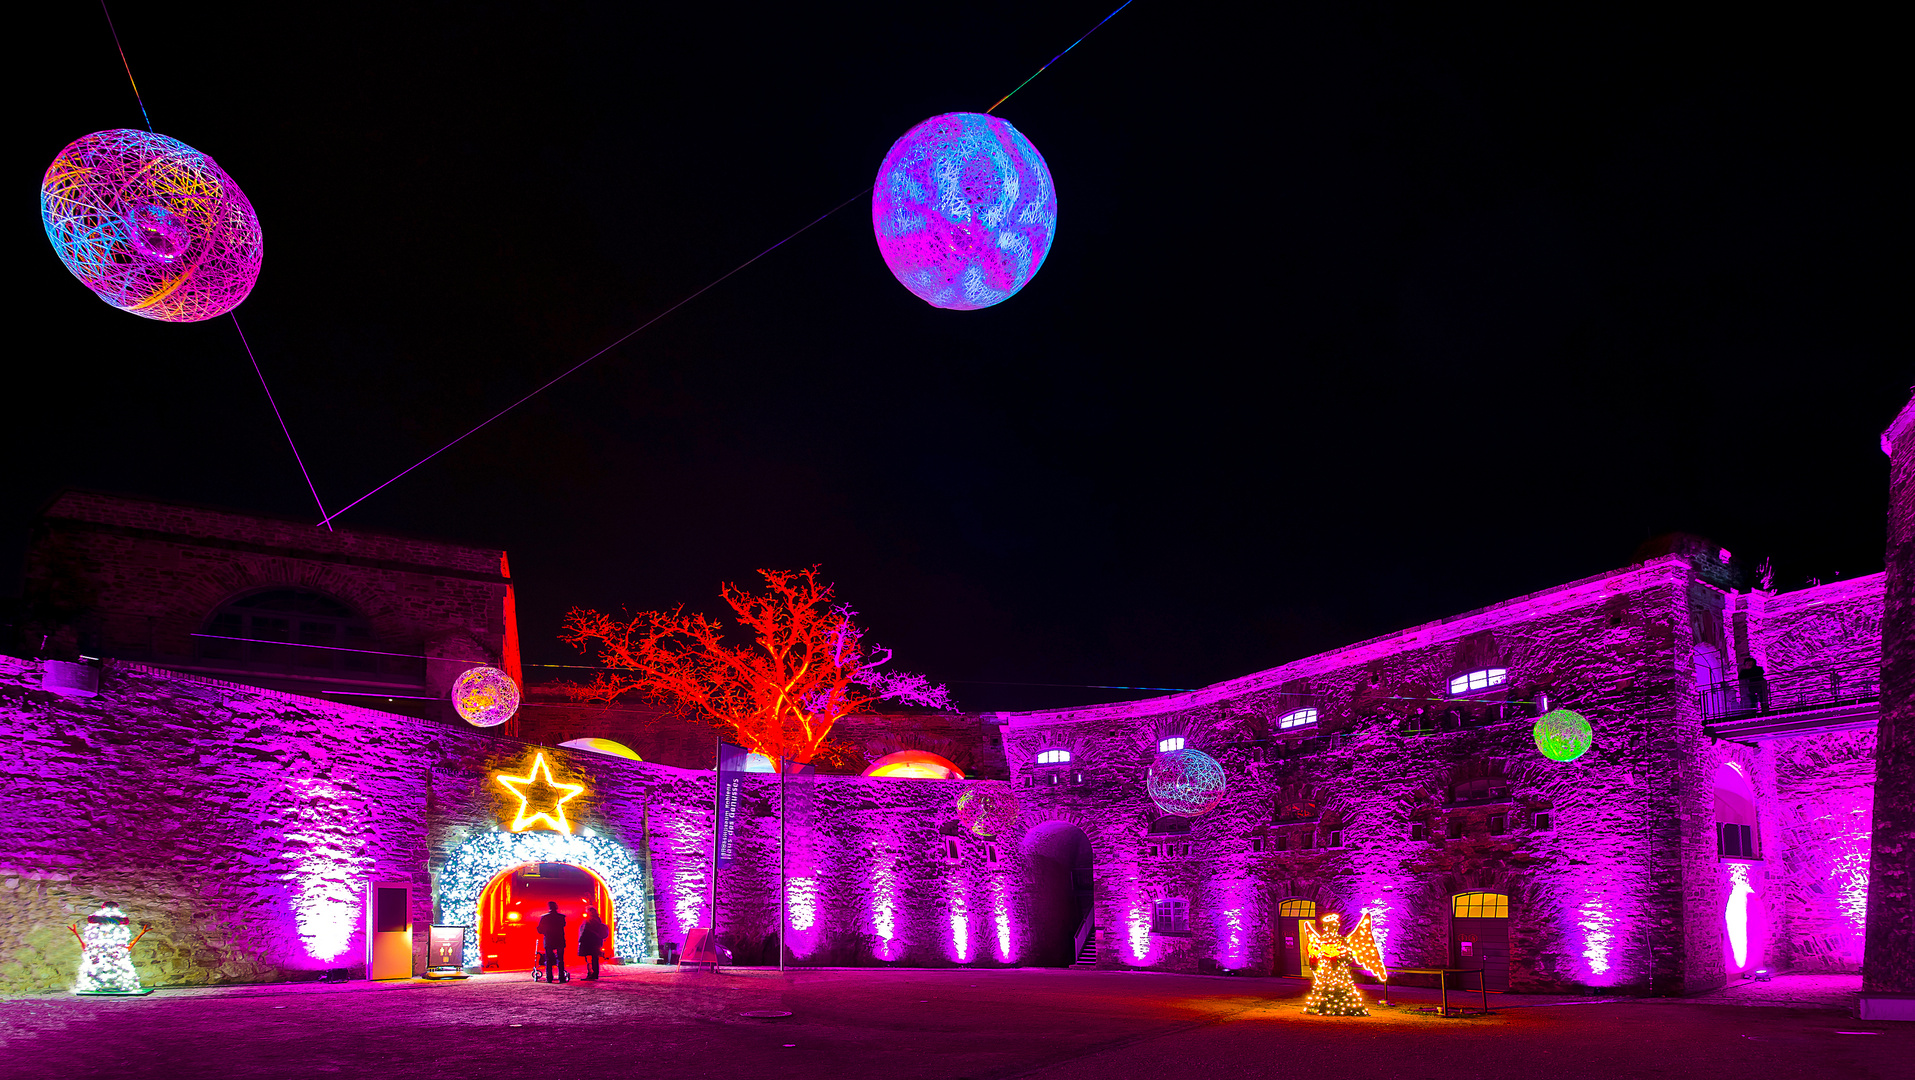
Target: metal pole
{"points": [[784, 883]]}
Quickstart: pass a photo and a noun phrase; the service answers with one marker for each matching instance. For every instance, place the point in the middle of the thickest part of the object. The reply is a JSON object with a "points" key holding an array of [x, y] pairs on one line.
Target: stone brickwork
{"points": [[1623, 889], [1890, 965], [148, 575], [244, 824]]}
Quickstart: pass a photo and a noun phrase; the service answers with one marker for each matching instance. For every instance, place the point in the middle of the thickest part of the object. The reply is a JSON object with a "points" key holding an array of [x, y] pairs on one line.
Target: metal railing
{"points": [[1804, 689]]}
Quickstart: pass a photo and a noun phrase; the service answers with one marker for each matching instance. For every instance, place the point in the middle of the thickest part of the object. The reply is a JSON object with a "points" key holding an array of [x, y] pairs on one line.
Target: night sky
{"points": [[1357, 316]]}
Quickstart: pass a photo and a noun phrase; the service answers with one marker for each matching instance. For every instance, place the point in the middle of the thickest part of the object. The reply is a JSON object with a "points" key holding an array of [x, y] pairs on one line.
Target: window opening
{"points": [[1297, 719], [1256, 844], [1497, 824], [1735, 841], [1419, 831], [1175, 742], [1283, 842], [951, 848], [1170, 916], [990, 854], [1303, 909], [1336, 839], [1479, 905], [1054, 757], [1478, 680], [1456, 828], [1542, 822]]}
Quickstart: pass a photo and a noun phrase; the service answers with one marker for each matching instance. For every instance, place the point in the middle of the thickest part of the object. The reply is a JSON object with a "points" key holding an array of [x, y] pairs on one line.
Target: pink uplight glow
{"points": [[1597, 925], [1737, 913], [1001, 919], [884, 910], [960, 906], [331, 864]]}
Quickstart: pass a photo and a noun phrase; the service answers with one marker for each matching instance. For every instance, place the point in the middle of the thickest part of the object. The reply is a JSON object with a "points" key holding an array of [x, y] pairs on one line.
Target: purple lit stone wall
{"points": [[244, 824], [1624, 891]]}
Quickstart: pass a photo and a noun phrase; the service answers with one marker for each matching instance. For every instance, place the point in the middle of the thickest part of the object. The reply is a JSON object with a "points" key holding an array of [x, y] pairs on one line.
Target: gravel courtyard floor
{"points": [[939, 1025]]}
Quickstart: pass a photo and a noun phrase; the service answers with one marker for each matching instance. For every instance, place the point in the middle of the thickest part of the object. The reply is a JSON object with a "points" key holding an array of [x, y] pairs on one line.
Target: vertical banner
{"points": [[800, 815], [731, 782]]}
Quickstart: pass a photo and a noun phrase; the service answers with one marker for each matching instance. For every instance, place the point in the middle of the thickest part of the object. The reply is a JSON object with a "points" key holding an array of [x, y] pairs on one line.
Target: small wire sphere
{"points": [[964, 210], [151, 225], [1186, 783], [485, 696], [987, 811], [1563, 735]]}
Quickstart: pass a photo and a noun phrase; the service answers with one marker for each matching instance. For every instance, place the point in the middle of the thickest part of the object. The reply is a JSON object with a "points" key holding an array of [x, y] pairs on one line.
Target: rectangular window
{"points": [[1336, 839], [1077, 778], [1419, 831], [1256, 843], [990, 854], [1151, 851], [1283, 841], [1735, 841], [1170, 917], [1456, 828], [1297, 719], [1307, 841], [1542, 821], [951, 848], [1498, 824], [1051, 779], [1174, 742]]}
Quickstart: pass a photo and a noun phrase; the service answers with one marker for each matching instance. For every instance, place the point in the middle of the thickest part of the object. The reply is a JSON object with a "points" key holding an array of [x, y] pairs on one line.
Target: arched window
{"points": [[293, 628], [1174, 742], [1482, 679], [1054, 757], [1297, 719]]}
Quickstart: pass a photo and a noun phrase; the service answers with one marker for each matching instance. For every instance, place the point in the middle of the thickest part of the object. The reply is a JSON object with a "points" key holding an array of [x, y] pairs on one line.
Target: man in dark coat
{"points": [[552, 935], [591, 937]]}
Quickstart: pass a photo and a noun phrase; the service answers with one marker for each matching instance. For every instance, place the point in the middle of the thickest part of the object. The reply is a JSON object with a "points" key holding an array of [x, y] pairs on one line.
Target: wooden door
{"points": [[1291, 915]]}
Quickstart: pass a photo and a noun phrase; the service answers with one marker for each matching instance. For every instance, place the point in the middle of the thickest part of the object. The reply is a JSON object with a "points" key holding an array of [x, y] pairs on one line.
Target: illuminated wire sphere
{"points": [[151, 225], [1186, 783], [1563, 735], [964, 210], [987, 811], [485, 696]]}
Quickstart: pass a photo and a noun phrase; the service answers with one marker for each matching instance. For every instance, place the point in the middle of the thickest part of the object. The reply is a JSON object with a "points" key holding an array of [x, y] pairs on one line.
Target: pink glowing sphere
{"points": [[485, 696], [964, 210], [151, 225]]}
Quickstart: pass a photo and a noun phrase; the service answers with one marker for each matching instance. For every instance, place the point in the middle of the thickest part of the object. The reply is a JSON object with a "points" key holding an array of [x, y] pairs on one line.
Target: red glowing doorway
{"points": [[512, 902]]}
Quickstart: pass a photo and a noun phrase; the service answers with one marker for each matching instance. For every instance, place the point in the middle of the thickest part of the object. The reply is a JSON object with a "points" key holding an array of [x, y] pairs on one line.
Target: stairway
{"points": [[1087, 956]]}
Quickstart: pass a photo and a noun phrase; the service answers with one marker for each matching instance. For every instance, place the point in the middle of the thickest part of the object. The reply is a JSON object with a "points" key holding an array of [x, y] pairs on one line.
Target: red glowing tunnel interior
{"points": [[510, 907]]}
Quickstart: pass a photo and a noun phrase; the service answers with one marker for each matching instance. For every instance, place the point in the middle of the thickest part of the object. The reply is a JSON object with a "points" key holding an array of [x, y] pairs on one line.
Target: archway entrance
{"points": [[513, 900], [1060, 893], [1291, 915]]}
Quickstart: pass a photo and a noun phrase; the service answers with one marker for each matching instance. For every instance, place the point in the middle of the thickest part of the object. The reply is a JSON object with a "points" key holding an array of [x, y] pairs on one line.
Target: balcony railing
{"points": [[1801, 690]]}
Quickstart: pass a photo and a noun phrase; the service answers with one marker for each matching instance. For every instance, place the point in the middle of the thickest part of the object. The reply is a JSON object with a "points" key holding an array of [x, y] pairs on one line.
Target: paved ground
{"points": [[938, 1025]]}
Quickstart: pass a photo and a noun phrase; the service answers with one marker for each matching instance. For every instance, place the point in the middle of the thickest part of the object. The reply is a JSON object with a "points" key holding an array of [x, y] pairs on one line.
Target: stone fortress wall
{"points": [[1623, 889], [244, 825]]}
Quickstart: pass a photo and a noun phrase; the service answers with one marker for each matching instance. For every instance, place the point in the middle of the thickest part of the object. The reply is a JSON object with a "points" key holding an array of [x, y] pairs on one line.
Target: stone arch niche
{"points": [[1059, 890], [1744, 883], [474, 864]]}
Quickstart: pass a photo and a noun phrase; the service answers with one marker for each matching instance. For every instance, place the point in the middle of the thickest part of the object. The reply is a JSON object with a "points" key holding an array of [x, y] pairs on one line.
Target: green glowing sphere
{"points": [[1563, 735]]}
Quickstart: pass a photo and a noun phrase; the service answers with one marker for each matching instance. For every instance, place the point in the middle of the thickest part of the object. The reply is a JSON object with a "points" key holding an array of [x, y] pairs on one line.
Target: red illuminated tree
{"points": [[806, 666]]}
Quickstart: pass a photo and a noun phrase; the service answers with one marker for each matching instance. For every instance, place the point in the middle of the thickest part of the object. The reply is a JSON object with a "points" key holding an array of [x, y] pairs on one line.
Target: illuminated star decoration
{"points": [[555, 818]]}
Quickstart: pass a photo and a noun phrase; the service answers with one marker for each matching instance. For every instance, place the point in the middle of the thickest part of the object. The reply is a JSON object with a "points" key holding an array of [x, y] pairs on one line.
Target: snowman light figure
{"points": [[106, 954]]}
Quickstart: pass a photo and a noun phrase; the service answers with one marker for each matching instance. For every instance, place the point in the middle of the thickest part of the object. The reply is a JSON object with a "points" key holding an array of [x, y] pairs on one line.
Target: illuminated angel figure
{"points": [[1333, 991]]}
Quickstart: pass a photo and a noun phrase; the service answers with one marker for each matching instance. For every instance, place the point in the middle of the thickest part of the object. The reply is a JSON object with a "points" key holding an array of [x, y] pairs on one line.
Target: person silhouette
{"points": [[552, 931], [591, 938]]}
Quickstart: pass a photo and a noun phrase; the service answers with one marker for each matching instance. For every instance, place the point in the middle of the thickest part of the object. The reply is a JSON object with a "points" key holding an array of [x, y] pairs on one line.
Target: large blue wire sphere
{"points": [[1186, 783], [964, 210]]}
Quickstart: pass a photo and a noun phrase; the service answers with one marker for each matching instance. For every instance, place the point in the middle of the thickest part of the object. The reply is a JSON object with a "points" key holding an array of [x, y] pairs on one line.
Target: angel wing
{"points": [[1364, 950], [1311, 949]]}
